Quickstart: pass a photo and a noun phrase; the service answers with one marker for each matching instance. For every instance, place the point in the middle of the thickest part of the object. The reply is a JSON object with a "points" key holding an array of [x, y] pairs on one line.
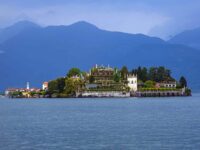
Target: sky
{"points": [[162, 18]]}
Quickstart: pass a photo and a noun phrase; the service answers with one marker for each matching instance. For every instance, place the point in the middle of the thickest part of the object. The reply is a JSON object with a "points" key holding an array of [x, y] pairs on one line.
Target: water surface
{"points": [[130, 123]]}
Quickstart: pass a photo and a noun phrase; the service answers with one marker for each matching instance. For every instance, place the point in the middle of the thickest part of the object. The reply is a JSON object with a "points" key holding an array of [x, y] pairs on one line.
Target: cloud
{"points": [[182, 16], [153, 17], [115, 20]]}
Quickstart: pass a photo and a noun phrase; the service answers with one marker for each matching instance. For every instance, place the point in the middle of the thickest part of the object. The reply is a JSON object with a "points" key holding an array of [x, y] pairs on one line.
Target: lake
{"points": [[95, 124]]}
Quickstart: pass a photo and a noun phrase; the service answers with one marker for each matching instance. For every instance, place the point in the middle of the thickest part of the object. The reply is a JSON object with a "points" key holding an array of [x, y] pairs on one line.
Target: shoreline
{"points": [[98, 97]]}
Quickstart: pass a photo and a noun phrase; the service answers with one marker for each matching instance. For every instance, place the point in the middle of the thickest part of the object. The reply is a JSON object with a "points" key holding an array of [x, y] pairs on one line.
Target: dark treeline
{"points": [[157, 74]]}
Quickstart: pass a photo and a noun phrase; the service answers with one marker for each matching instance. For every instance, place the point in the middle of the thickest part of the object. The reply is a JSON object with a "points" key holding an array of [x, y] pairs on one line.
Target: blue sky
{"points": [[162, 18]]}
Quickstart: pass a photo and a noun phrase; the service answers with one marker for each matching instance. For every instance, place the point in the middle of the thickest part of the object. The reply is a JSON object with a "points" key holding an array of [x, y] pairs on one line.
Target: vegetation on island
{"points": [[101, 79], [66, 86], [156, 74], [76, 80]]}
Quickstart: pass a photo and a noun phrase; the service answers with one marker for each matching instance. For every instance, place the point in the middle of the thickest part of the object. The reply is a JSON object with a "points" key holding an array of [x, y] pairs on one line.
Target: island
{"points": [[106, 81]]}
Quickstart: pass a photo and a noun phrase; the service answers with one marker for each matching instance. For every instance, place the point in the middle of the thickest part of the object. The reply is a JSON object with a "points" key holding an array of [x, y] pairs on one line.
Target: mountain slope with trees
{"points": [[41, 54]]}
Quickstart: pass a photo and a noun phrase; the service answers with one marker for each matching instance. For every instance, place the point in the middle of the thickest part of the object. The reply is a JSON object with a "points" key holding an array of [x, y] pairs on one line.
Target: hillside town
{"points": [[105, 81]]}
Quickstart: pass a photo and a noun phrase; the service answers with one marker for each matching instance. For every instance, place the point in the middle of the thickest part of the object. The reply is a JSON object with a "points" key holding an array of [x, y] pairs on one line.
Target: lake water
{"points": [[92, 124]]}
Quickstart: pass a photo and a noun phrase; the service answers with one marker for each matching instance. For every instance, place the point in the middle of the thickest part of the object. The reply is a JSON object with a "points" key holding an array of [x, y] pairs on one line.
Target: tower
{"points": [[132, 82], [27, 86]]}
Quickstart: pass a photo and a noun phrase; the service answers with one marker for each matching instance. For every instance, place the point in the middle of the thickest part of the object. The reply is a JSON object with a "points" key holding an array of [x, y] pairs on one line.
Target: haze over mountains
{"points": [[36, 54], [189, 37], [13, 30]]}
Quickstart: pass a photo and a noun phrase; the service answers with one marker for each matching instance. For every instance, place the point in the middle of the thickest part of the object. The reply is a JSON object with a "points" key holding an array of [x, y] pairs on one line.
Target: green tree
{"points": [[72, 86], [124, 73], [74, 72], [152, 74], [183, 82], [56, 86], [43, 92], [160, 74], [168, 75], [53, 87], [163, 74], [84, 74], [134, 71], [32, 93], [144, 74], [188, 92], [91, 79], [60, 84], [141, 72], [116, 77], [17, 94], [149, 84]]}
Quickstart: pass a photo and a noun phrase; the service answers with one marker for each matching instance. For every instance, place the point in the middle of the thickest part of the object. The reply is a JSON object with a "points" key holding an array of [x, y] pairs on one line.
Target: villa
{"points": [[104, 85], [102, 75], [166, 84]]}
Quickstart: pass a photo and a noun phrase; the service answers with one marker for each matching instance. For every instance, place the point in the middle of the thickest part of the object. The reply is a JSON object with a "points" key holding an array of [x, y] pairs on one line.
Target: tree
{"points": [[152, 74], [84, 74], [141, 72], [183, 82], [17, 94], [32, 93], [60, 84], [144, 74], [53, 87], [188, 92], [91, 79], [56, 86], [168, 75], [43, 92], [149, 84], [72, 86], [124, 73], [134, 71], [116, 77], [161, 75], [73, 72]]}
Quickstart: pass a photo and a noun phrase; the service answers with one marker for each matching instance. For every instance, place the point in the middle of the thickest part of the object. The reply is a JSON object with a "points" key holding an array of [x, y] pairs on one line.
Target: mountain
{"points": [[16, 28], [42, 54], [190, 38]]}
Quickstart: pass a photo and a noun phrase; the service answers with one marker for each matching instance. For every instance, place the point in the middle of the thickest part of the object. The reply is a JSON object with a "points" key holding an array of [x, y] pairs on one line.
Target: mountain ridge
{"points": [[189, 37], [16, 28], [42, 54]]}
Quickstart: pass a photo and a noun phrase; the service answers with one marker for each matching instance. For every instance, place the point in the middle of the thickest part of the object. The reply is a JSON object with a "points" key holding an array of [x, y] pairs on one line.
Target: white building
{"points": [[45, 86], [27, 86], [171, 84], [132, 82]]}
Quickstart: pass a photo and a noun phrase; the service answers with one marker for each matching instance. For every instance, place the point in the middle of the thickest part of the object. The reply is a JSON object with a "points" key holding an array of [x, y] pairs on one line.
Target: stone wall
{"points": [[105, 94]]}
